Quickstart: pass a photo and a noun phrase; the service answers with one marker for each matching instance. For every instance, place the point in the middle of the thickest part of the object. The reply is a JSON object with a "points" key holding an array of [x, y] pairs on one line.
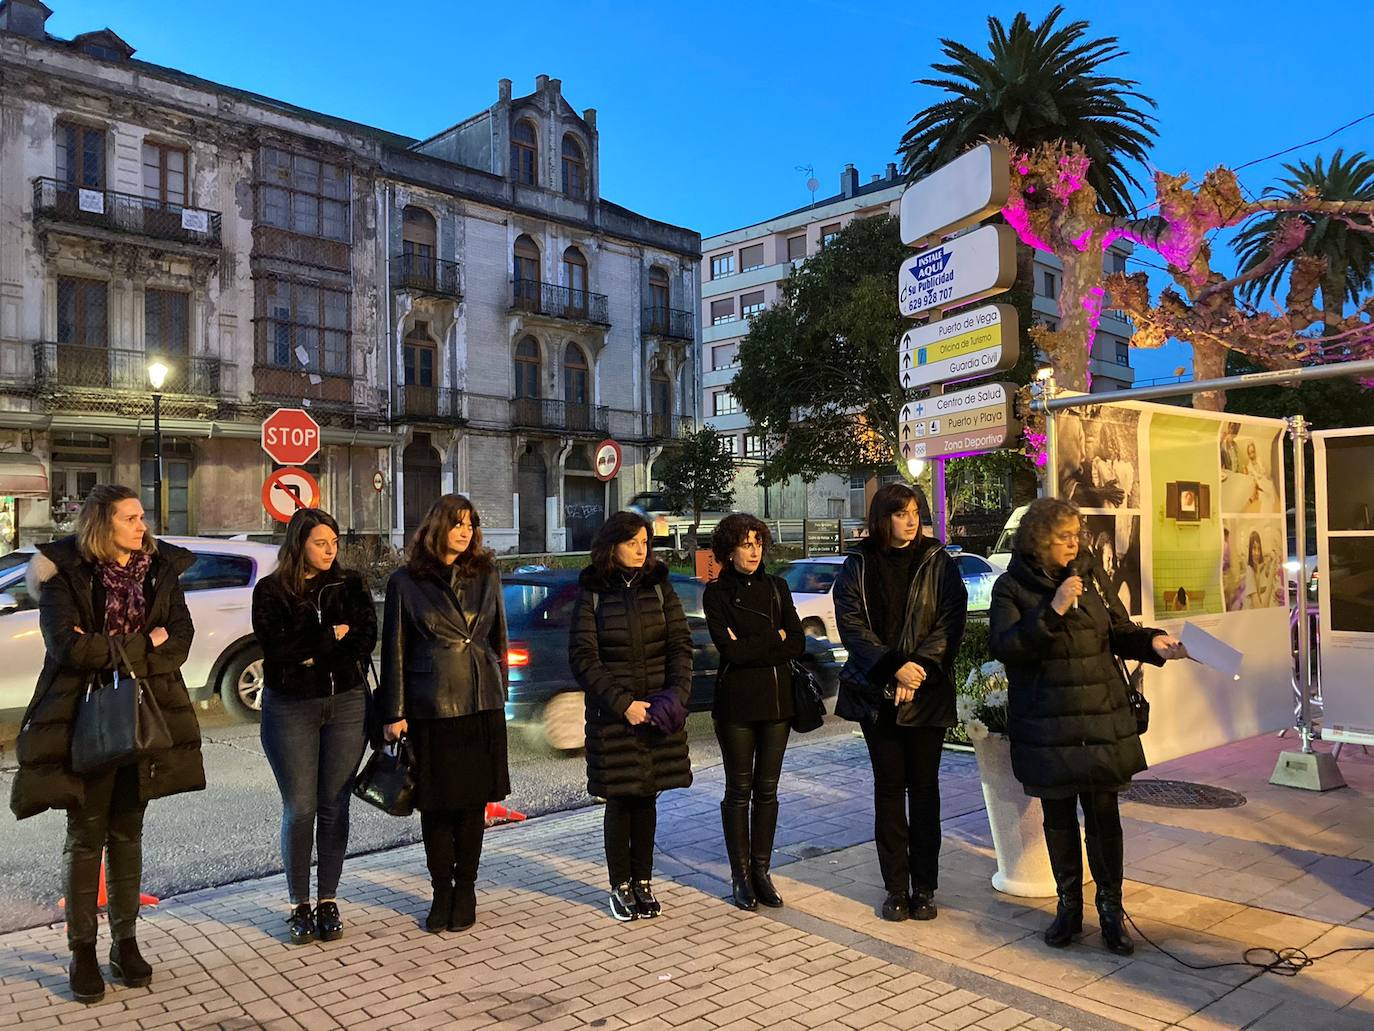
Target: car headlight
{"points": [[1291, 565]]}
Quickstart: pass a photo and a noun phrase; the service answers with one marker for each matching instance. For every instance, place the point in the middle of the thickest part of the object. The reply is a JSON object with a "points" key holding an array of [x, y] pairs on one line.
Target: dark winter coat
{"points": [[443, 646], [301, 657], [936, 610], [626, 644], [70, 595], [1070, 723], [755, 679]]}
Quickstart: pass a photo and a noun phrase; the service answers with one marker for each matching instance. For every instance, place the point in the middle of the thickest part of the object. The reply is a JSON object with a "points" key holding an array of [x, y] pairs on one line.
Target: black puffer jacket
{"points": [[936, 610], [301, 657], [1070, 724], [626, 644], [443, 646], [72, 596], [754, 681]]}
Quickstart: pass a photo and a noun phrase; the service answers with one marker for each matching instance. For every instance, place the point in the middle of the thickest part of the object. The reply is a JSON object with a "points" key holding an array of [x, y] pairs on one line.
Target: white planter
{"points": [[1023, 864]]}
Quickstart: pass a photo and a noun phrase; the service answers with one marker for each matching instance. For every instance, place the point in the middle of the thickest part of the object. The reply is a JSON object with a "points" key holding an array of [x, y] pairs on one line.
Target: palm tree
{"points": [[1349, 253], [1036, 85]]}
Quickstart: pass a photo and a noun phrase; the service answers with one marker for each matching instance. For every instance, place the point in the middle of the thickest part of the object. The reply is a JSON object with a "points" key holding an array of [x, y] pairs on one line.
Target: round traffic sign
{"points": [[606, 461], [286, 491], [378, 481], [290, 436]]}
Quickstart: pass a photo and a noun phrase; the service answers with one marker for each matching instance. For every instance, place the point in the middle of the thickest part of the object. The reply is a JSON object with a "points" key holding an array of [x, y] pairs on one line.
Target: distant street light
{"points": [[157, 375]]}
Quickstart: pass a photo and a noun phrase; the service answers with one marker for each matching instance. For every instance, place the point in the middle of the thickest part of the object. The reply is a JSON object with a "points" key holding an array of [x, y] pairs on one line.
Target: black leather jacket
{"points": [[443, 649], [301, 657]]}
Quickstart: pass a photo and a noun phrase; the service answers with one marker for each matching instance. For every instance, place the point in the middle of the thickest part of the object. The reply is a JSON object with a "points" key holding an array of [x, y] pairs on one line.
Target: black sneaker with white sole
{"points": [[623, 904], [648, 906]]}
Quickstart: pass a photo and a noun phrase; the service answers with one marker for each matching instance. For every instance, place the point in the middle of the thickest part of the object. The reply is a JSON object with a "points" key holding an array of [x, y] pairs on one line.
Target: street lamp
{"points": [[157, 375]]}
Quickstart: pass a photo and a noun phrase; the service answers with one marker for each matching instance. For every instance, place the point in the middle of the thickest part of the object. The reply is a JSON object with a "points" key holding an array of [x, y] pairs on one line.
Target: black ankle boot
{"points": [[128, 966], [84, 975], [464, 912], [440, 909], [301, 925], [1105, 858], [1066, 860]]}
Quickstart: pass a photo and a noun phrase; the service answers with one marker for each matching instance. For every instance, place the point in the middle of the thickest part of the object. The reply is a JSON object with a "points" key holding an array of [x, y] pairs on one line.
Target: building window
{"points": [[527, 368], [660, 396], [724, 355], [1049, 284], [80, 155], [307, 327], [723, 265], [575, 273], [164, 174], [576, 376], [731, 443], [829, 233], [1116, 262], [524, 152], [574, 168], [303, 194], [658, 290], [724, 403], [167, 326], [796, 247], [753, 446], [419, 239], [82, 319], [79, 462], [420, 354], [722, 311], [751, 257], [1051, 324], [527, 272], [751, 304], [1123, 354], [178, 459]]}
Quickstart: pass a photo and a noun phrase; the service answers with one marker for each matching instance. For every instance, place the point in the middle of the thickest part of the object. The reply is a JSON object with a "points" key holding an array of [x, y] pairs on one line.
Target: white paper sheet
{"points": [[1204, 648]]}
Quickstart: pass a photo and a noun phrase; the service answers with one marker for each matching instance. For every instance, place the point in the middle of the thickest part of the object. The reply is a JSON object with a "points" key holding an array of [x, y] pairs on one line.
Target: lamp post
{"points": [[157, 375]]}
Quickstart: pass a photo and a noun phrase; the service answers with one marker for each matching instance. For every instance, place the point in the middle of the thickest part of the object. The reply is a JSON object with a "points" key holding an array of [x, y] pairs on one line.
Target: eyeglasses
{"points": [[1068, 537]]}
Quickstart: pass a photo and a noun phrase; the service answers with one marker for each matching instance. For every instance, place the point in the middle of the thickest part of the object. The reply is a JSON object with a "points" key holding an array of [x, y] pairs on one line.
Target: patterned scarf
{"points": [[124, 603]]}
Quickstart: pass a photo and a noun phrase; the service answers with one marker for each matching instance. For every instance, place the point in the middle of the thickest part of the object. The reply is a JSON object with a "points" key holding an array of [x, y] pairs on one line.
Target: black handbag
{"points": [[387, 780], [118, 722], [808, 707]]}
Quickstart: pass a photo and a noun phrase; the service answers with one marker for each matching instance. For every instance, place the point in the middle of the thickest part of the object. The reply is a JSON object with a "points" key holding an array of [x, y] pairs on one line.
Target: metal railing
{"points": [[58, 365], [560, 302], [436, 404], [424, 274], [670, 322], [551, 414], [125, 212], [667, 427]]}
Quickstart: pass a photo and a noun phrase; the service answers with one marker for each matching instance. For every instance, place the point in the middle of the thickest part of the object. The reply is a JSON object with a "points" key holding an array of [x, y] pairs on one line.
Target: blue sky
{"points": [[705, 111]]}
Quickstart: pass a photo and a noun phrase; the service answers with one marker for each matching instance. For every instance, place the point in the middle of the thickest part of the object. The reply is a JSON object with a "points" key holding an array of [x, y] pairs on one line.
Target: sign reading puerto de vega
{"points": [[964, 346], [964, 422], [966, 268], [958, 194]]}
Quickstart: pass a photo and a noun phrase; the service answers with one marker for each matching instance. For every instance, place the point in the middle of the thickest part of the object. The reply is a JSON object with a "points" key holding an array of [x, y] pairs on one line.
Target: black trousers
{"points": [[1101, 815], [629, 829], [752, 755], [453, 844], [110, 822], [906, 801]]}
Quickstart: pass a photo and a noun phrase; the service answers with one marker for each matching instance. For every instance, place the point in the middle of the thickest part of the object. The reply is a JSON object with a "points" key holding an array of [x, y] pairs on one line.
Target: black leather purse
{"points": [[808, 707], [118, 722], [1140, 705], [387, 780]]}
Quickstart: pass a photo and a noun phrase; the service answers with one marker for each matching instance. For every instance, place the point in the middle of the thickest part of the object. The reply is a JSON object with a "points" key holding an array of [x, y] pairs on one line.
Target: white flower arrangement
{"points": [[981, 706]]}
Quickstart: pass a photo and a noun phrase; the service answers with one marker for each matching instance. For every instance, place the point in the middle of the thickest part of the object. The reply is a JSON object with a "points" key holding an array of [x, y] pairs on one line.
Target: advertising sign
{"points": [[966, 268], [958, 194], [965, 346], [960, 423]]}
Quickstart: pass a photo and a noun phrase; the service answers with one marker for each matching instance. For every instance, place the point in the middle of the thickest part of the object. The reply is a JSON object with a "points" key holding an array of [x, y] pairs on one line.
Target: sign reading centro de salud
{"points": [[967, 345], [958, 194], [965, 268], [961, 423]]}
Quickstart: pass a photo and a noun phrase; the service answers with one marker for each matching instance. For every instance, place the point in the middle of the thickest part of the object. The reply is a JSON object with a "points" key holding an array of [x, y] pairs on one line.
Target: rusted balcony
{"points": [[673, 323], [59, 366], [428, 404], [550, 414], [426, 275], [560, 302], [667, 427], [57, 201]]}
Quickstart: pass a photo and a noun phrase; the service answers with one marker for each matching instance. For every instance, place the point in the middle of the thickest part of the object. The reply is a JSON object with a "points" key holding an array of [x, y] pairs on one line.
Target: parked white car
{"points": [[1000, 556], [811, 580], [225, 657]]}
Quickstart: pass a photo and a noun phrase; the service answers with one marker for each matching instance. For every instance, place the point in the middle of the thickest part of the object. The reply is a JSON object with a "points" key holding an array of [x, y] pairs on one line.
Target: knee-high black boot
{"points": [[1105, 858], [437, 831], [467, 840], [1066, 860], [765, 826], [734, 819]]}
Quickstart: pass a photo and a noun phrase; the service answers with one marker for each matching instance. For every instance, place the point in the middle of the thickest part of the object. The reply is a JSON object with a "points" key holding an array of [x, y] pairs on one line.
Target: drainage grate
{"points": [[1181, 794]]}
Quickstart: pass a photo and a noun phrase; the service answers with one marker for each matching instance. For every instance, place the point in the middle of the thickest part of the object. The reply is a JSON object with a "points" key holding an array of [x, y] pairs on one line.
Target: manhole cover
{"points": [[1181, 794]]}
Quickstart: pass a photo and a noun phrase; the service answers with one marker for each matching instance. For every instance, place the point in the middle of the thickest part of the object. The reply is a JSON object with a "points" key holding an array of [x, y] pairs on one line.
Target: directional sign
{"points": [[966, 422], [958, 194], [290, 436], [964, 346], [288, 490], [606, 461], [965, 268]]}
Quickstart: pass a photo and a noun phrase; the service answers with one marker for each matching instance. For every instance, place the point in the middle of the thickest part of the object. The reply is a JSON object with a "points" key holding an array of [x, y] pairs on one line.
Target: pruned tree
{"points": [[697, 474]]}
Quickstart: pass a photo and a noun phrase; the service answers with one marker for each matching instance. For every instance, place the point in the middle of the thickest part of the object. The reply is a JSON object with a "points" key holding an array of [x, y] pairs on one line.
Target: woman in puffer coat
{"points": [[1073, 733], [631, 652], [110, 593]]}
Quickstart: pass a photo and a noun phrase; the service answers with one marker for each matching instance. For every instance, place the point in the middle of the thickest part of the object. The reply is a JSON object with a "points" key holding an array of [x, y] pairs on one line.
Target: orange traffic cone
{"points": [[497, 813], [102, 897]]}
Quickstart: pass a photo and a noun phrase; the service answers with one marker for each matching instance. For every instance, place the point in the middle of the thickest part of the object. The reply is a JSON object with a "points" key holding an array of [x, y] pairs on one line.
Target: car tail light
{"points": [[517, 655]]}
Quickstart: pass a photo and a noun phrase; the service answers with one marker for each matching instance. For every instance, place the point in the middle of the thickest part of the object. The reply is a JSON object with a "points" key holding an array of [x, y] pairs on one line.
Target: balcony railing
{"points": [[669, 322], [667, 427], [550, 414], [560, 302], [426, 275], [58, 366], [125, 213], [427, 404]]}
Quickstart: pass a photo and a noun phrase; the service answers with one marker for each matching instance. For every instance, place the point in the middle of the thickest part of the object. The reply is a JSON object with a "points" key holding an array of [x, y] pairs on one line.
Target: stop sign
{"points": [[290, 436]]}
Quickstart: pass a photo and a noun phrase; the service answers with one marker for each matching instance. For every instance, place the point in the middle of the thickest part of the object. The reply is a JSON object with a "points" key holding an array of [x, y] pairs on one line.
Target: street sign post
{"points": [[965, 346], [290, 436], [966, 268], [965, 422], [287, 490], [958, 194], [606, 461]]}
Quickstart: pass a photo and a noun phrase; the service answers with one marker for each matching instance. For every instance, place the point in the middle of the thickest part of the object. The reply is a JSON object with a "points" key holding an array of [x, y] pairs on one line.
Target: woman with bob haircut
{"points": [[316, 626], [109, 604], [444, 687], [901, 606], [631, 652], [756, 629], [1073, 733]]}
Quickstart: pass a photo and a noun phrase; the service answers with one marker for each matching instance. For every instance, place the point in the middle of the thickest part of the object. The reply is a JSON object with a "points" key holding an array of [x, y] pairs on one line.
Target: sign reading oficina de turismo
{"points": [[965, 268], [975, 343], [961, 423]]}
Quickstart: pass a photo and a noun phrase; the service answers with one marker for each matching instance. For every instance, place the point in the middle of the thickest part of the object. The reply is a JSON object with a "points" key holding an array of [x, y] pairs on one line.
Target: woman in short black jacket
{"points": [[1073, 733], [757, 632]]}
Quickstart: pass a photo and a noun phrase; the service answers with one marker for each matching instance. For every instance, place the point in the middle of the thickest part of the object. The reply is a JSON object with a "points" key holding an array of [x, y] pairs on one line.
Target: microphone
{"points": [[1081, 566]]}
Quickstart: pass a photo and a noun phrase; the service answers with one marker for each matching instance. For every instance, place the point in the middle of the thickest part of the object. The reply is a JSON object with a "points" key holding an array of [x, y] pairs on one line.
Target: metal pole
{"points": [[1051, 480], [159, 508], [940, 503], [1297, 427]]}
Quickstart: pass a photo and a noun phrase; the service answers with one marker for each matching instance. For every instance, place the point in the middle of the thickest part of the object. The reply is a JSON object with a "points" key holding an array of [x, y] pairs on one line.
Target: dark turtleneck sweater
{"points": [[887, 586]]}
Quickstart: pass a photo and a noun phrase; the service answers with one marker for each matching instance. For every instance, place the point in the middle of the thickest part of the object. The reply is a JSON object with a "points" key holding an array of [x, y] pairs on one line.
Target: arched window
{"points": [[574, 167], [527, 368], [527, 275], [524, 152], [661, 400], [421, 377], [576, 378], [658, 301], [419, 239], [575, 274]]}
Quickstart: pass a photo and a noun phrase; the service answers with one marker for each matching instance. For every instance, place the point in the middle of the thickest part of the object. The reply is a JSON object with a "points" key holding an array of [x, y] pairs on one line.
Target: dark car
{"points": [[546, 702]]}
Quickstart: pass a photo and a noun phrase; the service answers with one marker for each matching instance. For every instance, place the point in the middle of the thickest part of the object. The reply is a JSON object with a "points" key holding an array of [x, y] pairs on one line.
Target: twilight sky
{"points": [[706, 110]]}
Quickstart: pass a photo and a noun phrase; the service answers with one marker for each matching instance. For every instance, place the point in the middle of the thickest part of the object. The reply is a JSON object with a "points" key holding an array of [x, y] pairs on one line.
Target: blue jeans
{"points": [[314, 746]]}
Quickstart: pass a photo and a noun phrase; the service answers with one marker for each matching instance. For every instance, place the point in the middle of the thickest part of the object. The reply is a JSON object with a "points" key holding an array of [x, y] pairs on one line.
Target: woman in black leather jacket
{"points": [[901, 606], [756, 630], [317, 627], [444, 687]]}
